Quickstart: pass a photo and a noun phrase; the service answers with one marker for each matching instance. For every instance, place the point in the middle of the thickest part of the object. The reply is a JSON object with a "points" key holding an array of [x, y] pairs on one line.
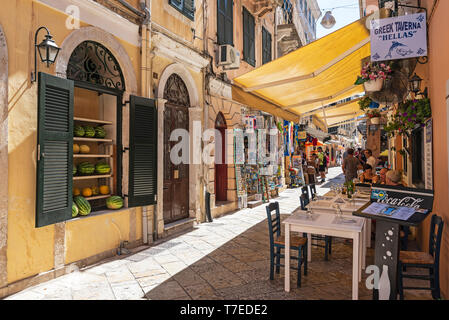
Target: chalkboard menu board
{"points": [[402, 196]]}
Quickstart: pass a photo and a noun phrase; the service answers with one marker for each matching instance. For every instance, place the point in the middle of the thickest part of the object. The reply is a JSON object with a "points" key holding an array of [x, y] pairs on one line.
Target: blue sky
{"points": [[344, 11]]}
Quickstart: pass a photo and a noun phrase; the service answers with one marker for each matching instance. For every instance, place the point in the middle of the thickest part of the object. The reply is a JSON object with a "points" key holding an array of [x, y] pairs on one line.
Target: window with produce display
{"points": [[80, 132]]}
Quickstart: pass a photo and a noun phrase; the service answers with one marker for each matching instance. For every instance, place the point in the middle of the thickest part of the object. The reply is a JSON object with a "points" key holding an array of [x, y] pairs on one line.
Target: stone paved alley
{"points": [[226, 259]]}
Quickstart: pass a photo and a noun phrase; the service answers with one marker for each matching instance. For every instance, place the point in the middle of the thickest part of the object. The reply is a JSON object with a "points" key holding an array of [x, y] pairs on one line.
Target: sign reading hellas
{"points": [[400, 37]]}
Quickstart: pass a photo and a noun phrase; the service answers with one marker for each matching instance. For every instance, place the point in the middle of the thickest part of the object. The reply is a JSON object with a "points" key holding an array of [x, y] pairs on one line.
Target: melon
{"points": [[74, 170], [87, 192], [104, 190], [95, 191], [86, 168], [83, 205], [89, 131], [76, 192], [102, 168], [100, 133], [76, 148], [84, 149], [78, 131], [75, 210], [114, 202]]}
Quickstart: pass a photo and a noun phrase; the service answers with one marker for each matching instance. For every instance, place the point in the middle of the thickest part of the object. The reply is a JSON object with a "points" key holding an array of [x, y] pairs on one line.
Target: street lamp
{"points": [[48, 51], [328, 20], [415, 84]]}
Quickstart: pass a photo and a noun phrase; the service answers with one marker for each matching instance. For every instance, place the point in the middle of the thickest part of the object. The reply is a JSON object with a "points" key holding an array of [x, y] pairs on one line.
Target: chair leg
{"points": [[305, 259], [326, 248], [299, 268], [278, 260], [271, 265], [436, 284], [330, 245]]}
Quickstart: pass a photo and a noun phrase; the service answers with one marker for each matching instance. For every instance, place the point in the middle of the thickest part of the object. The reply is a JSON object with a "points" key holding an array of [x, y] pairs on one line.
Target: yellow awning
{"points": [[340, 113], [318, 74]]}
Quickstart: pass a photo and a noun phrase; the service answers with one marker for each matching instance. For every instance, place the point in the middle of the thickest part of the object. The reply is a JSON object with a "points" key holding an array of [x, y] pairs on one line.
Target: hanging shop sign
{"points": [[302, 135], [400, 37]]}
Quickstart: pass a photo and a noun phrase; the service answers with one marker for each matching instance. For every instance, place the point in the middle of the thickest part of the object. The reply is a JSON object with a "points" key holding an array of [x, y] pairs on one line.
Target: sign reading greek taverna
{"points": [[400, 37]]}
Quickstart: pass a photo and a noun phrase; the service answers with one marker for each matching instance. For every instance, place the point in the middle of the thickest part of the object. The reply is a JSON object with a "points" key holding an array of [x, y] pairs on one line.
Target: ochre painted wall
{"points": [[438, 76], [31, 251]]}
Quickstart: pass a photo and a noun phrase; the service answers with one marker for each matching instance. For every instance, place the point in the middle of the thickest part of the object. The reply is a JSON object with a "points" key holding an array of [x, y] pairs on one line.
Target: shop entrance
{"points": [[176, 176], [221, 168]]}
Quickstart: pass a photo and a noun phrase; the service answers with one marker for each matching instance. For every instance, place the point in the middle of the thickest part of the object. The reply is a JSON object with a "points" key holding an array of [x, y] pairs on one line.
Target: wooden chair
{"points": [[304, 200], [277, 242], [430, 261]]}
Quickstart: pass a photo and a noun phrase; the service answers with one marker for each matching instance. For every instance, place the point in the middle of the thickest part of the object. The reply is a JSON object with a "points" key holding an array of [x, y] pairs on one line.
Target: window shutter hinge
{"points": [[125, 103], [125, 149], [155, 198], [38, 152]]}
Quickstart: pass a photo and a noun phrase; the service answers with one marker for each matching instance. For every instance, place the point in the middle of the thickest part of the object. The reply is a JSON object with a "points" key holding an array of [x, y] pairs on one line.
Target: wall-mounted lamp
{"points": [[48, 51], [415, 84]]}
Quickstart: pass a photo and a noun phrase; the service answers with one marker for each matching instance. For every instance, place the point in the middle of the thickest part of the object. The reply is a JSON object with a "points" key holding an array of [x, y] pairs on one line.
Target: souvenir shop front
{"points": [[258, 151], [295, 159]]}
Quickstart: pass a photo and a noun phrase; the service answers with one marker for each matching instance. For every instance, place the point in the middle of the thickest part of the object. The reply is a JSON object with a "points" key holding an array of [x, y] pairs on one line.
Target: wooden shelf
{"points": [[78, 155], [103, 122], [98, 197], [92, 177], [92, 140]]}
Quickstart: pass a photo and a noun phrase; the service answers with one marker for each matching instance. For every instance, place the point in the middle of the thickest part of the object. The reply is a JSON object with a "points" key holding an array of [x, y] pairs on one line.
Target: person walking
{"points": [[322, 164], [370, 159], [350, 166]]}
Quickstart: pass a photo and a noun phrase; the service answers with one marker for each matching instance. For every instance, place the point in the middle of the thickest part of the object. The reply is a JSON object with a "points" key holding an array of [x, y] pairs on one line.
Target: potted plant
{"points": [[409, 115], [374, 116], [373, 75]]}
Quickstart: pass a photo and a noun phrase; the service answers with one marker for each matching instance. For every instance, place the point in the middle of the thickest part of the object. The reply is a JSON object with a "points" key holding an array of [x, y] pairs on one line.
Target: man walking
{"points": [[350, 166], [322, 164]]}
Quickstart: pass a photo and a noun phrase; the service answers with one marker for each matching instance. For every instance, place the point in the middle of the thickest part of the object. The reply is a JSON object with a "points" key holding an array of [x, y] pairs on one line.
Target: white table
{"points": [[347, 208], [326, 224]]}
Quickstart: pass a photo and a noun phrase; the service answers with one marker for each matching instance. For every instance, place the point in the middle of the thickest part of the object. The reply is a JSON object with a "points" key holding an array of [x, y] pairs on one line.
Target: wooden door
{"points": [[176, 177], [221, 169]]}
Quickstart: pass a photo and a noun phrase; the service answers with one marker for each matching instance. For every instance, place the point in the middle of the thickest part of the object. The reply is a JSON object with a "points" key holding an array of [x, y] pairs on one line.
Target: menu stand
{"points": [[387, 245]]}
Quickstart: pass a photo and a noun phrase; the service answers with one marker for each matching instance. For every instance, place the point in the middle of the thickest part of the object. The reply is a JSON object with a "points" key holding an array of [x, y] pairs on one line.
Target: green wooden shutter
{"points": [[225, 22], [142, 152], [176, 3], [266, 46], [55, 150], [249, 48], [189, 8]]}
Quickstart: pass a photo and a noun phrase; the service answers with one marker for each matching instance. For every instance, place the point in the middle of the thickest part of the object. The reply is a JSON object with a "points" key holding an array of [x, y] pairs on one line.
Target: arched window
{"points": [[93, 63], [175, 91]]}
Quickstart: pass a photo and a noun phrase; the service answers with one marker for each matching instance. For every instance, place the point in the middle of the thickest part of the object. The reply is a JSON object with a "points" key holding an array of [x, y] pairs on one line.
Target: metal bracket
{"points": [[125, 149]]}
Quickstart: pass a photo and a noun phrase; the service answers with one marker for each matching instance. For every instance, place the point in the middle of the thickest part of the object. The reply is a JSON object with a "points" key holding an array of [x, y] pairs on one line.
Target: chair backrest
{"points": [[304, 201], [436, 233], [274, 224], [305, 191], [312, 190]]}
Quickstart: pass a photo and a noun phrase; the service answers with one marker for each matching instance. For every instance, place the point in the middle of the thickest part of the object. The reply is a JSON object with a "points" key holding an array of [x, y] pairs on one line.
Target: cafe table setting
{"points": [[335, 224]]}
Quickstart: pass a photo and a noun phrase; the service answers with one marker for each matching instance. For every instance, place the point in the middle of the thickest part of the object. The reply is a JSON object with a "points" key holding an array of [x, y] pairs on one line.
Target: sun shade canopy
{"points": [[316, 75]]}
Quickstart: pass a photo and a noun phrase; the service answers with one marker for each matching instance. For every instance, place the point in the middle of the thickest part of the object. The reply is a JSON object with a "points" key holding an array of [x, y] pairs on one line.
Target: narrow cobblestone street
{"points": [[226, 259]]}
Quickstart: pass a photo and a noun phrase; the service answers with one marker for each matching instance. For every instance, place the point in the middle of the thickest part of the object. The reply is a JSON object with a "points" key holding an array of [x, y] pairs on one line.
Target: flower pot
{"points": [[373, 85], [375, 120]]}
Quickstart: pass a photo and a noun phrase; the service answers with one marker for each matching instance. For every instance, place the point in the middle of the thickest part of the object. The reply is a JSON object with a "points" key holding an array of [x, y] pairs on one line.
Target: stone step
{"points": [[178, 226], [255, 203]]}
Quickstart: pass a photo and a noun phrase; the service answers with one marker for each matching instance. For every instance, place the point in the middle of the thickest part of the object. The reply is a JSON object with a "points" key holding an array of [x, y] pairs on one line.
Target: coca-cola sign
{"points": [[402, 197]]}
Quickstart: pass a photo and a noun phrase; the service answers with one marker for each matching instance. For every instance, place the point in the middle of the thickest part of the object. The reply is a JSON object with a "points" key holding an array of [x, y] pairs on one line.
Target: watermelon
{"points": [[114, 202], [102, 168], [75, 210], [100, 133], [83, 205], [86, 168], [74, 170], [78, 131], [89, 132]]}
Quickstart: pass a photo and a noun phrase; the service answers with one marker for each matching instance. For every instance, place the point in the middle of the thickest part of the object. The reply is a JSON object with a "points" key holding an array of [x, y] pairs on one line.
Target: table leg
{"points": [[309, 247], [355, 266], [361, 249], [364, 246], [287, 257]]}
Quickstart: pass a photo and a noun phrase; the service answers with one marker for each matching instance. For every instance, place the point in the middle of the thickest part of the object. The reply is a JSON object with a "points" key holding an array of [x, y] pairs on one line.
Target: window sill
{"points": [[173, 11], [99, 213]]}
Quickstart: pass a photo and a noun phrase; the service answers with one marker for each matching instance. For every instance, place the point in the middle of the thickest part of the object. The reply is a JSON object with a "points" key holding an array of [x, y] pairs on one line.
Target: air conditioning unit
{"points": [[228, 57]]}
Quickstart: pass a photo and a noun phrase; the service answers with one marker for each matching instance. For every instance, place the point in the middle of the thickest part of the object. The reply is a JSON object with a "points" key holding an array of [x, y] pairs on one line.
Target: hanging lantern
{"points": [[328, 20]]}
